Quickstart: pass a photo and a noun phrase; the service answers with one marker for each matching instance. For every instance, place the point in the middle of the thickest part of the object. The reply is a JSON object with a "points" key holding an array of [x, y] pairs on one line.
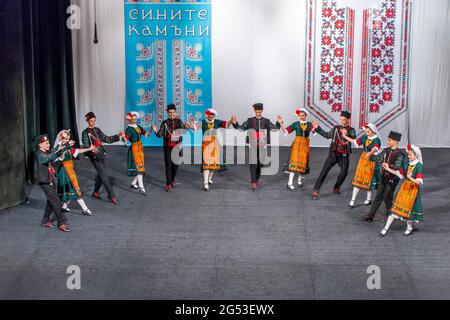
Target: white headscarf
{"points": [[417, 151], [372, 127], [298, 111], [58, 137]]}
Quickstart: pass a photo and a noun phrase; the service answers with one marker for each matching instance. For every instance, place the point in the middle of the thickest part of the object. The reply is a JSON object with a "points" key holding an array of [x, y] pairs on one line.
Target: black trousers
{"points": [[102, 177], [171, 168], [53, 205], [256, 164], [342, 160], [385, 193]]}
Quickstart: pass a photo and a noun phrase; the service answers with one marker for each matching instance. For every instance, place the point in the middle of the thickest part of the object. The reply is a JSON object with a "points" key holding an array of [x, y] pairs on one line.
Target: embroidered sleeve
{"points": [[326, 135], [291, 128], [85, 140], [162, 129], [224, 124]]}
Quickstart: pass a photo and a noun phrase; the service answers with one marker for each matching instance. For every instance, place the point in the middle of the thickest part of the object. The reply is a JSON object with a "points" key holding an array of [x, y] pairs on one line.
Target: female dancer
{"points": [[299, 160], [68, 186], [367, 175], [136, 166], [211, 150], [408, 204]]}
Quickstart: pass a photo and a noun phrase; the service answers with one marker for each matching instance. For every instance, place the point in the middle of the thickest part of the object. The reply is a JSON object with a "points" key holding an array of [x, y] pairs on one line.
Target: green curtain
{"points": [[48, 72], [12, 160]]}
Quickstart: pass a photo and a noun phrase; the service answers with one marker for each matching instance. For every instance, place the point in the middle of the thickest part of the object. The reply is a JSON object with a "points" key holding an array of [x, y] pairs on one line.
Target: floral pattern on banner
{"points": [[333, 55], [381, 55]]}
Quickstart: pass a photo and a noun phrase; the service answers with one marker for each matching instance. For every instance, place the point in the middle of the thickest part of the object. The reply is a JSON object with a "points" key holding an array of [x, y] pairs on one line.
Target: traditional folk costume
{"points": [[388, 182], [340, 150], [136, 164], [95, 136], [408, 203], [259, 138], [300, 149], [211, 150], [46, 176], [68, 187], [171, 139], [367, 175]]}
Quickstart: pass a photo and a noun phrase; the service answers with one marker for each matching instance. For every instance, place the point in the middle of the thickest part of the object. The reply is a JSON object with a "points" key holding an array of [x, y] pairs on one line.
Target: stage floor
{"points": [[230, 243]]}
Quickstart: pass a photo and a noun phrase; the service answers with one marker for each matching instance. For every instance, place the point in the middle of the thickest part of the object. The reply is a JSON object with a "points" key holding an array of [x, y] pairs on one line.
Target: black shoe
{"points": [[367, 218]]}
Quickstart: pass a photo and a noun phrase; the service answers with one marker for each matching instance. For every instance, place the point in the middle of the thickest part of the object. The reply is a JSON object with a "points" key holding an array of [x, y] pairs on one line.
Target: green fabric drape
{"points": [[12, 160], [48, 72]]}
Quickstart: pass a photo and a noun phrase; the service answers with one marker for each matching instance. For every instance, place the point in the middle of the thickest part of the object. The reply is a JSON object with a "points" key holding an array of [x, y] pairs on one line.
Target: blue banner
{"points": [[168, 60]]}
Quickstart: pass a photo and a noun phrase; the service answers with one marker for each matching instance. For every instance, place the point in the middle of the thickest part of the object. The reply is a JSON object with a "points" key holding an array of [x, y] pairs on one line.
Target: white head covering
{"points": [[58, 138], [131, 114], [417, 151], [298, 111], [212, 111], [372, 127]]}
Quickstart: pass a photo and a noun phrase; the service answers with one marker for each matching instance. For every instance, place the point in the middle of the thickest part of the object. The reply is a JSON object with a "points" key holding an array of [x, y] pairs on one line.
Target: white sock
{"points": [[134, 182], [300, 179], [140, 179], [211, 175], [82, 204], [409, 225], [206, 176], [355, 193], [291, 178], [369, 195], [389, 222]]}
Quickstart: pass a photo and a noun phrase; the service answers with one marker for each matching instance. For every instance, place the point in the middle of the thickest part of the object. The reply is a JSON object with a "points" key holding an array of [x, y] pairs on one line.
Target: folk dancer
{"points": [[94, 136], [136, 164], [299, 158], [46, 175], [408, 203], [259, 138], [211, 150], [340, 150], [367, 175], [68, 187], [393, 158], [171, 138]]}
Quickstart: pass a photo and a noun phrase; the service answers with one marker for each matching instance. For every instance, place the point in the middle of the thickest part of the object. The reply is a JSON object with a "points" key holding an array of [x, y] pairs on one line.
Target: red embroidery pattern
{"points": [[161, 75], [336, 62], [381, 65], [381, 54], [178, 66]]}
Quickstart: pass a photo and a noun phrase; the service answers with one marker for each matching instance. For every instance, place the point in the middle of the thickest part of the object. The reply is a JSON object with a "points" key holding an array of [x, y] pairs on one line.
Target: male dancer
{"points": [[171, 139], [340, 150], [94, 136], [259, 138], [392, 158], [46, 174]]}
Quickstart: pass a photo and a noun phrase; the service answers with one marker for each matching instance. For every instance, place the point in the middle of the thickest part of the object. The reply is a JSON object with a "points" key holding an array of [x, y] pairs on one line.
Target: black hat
{"points": [[346, 114], [258, 106], [171, 107], [395, 136], [89, 116], [39, 139]]}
